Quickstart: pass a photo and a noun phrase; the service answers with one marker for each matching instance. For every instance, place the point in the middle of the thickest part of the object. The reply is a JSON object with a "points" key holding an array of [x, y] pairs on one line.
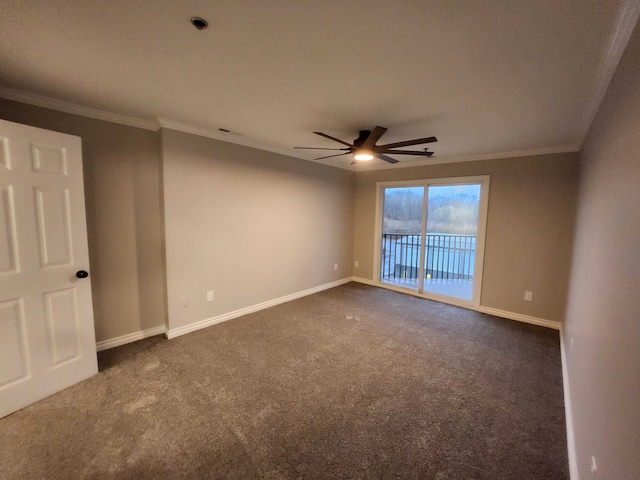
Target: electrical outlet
{"points": [[528, 296], [210, 296], [184, 301], [335, 266], [356, 264]]}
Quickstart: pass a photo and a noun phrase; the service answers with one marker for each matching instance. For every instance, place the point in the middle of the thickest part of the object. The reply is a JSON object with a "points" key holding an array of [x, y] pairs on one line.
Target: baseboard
{"points": [[415, 293], [520, 318], [488, 310], [176, 332], [131, 337], [366, 281], [568, 412]]}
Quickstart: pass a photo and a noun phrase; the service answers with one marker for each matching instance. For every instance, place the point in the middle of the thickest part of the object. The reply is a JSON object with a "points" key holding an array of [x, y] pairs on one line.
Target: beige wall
{"points": [[251, 225], [603, 315], [532, 203], [122, 191]]}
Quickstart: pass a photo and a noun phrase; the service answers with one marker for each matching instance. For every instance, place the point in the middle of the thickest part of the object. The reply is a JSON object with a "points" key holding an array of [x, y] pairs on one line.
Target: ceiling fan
{"points": [[364, 147]]}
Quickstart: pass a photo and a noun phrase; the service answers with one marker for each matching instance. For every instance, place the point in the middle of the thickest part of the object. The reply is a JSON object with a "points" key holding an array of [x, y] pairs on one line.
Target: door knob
{"points": [[82, 274]]}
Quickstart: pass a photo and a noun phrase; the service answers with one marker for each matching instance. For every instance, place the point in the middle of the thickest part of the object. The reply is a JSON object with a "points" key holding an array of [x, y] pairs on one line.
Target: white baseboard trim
{"points": [[568, 412], [520, 318], [131, 337], [366, 281], [415, 293], [488, 310], [176, 332]]}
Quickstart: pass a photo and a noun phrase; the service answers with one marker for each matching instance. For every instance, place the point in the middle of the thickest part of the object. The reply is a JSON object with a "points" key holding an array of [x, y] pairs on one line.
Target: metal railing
{"points": [[449, 257]]}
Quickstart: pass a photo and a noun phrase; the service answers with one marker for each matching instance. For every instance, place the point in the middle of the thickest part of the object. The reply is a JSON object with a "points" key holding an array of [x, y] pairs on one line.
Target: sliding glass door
{"points": [[431, 237]]}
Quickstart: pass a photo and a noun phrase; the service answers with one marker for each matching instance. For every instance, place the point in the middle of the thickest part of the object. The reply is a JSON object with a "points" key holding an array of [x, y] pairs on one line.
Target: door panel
{"points": [[451, 239], [47, 338], [53, 226], [4, 153], [62, 326], [14, 366], [8, 254], [48, 160], [402, 217]]}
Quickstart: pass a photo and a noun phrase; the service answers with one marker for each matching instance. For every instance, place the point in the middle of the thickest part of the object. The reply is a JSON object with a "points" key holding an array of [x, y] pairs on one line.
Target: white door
{"points": [[47, 339]]}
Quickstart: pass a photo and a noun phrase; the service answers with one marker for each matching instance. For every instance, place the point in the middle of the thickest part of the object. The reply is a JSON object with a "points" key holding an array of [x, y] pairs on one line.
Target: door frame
{"points": [[483, 208]]}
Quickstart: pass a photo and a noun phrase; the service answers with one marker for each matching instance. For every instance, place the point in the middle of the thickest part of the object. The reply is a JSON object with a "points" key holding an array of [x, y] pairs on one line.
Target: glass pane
{"points": [[401, 231], [450, 244]]}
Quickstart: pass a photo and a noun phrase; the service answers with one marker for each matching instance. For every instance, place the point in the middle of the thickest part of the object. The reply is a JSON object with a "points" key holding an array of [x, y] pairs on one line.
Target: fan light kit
{"points": [[364, 147], [363, 155]]}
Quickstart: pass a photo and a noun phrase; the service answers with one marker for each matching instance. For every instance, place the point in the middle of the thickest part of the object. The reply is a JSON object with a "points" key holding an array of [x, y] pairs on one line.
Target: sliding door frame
{"points": [[483, 180]]}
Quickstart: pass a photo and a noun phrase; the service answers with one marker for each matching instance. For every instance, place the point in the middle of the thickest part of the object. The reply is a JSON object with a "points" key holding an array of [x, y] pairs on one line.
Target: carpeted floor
{"points": [[353, 382]]}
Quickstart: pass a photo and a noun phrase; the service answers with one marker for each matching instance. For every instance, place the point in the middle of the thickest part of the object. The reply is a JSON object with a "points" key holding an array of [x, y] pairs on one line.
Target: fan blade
{"points": [[373, 137], [385, 158], [318, 148], [330, 156], [407, 143], [409, 152], [332, 138]]}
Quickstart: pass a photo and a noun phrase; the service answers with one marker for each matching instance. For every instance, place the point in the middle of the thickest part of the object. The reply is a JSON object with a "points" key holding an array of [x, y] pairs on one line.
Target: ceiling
{"points": [[488, 78]]}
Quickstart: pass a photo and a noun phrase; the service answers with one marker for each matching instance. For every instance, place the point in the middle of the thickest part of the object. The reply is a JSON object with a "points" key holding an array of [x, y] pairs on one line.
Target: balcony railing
{"points": [[448, 257]]}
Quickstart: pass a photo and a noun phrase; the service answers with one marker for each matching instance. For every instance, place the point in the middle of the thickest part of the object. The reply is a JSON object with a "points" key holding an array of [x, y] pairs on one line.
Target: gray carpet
{"points": [[353, 382]]}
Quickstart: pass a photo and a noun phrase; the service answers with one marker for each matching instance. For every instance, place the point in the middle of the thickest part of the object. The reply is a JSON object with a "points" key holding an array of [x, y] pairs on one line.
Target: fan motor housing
{"points": [[364, 134]]}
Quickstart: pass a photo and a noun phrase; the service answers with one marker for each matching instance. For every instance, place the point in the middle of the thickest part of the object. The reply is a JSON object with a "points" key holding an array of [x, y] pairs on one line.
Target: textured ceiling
{"points": [[484, 77]]}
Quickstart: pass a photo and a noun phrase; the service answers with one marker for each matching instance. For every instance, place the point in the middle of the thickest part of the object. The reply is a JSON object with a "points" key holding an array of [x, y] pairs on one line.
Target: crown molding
{"points": [[223, 136], [474, 158], [68, 107], [240, 140], [624, 27], [155, 125]]}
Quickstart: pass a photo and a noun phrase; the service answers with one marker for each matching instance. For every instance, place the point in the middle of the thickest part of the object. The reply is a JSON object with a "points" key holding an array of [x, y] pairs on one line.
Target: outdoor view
{"points": [[448, 250], [451, 209]]}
